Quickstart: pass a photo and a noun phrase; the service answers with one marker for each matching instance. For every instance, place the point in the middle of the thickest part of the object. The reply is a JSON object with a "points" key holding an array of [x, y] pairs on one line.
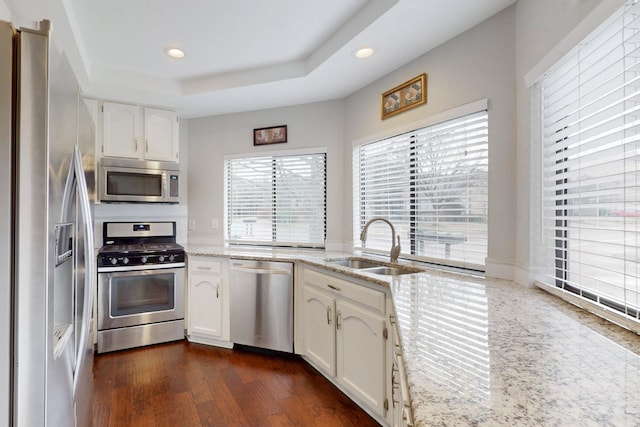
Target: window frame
{"points": [[571, 173], [409, 132], [273, 155]]}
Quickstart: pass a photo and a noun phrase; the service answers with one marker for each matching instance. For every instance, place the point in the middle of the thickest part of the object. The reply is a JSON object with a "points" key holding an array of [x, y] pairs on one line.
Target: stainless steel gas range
{"points": [[141, 278]]}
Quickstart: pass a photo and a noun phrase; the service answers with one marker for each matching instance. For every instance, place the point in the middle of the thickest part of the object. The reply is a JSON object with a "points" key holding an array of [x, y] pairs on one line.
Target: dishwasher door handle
{"points": [[258, 270]]}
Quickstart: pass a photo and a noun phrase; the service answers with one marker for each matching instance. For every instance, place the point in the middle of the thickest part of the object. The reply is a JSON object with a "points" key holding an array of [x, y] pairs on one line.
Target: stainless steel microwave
{"points": [[125, 180]]}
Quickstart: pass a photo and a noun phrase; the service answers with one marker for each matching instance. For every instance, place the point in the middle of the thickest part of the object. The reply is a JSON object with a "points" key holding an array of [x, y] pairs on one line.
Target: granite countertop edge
{"points": [[318, 258], [520, 356]]}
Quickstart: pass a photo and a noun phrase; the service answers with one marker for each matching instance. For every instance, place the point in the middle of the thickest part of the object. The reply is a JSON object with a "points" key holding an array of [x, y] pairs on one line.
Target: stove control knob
{"points": [[144, 259], [125, 260], [114, 261], [161, 258], [171, 257]]}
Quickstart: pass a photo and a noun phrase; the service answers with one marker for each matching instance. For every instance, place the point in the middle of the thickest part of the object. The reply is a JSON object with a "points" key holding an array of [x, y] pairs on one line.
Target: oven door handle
{"points": [[146, 267]]}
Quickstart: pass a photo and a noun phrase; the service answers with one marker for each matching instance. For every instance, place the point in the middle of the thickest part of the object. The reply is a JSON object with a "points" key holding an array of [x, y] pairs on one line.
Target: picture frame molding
{"points": [[270, 135], [397, 92]]}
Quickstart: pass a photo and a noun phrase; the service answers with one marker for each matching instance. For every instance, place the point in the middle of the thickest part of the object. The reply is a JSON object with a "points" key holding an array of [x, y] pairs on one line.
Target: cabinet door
{"points": [[121, 130], [161, 135], [205, 305], [319, 330], [360, 353]]}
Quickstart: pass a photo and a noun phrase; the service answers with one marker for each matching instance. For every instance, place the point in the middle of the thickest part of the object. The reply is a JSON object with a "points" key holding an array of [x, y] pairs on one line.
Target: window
{"points": [[432, 184], [276, 200], [589, 105]]}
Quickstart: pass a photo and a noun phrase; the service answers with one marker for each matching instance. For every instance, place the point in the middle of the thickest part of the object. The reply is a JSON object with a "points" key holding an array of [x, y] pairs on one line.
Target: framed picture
{"points": [[405, 96], [270, 135]]}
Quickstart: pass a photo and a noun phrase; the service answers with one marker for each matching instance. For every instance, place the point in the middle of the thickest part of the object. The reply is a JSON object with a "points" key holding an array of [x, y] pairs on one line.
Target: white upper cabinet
{"points": [[121, 130], [161, 135], [134, 132]]}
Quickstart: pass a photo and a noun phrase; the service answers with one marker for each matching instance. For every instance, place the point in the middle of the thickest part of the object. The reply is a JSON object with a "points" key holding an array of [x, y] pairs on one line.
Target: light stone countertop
{"points": [[485, 352]]}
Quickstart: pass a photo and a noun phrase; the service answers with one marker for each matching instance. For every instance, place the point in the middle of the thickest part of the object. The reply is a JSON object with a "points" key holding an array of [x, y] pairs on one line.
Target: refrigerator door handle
{"points": [[89, 273], [76, 180]]}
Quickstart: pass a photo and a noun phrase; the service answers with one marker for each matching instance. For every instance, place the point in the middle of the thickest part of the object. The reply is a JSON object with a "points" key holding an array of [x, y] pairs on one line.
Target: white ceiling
{"points": [[244, 55]]}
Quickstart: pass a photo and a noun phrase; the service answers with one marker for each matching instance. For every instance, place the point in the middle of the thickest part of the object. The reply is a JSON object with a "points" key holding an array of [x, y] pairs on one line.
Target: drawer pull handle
{"points": [[204, 268], [328, 315], [335, 288]]}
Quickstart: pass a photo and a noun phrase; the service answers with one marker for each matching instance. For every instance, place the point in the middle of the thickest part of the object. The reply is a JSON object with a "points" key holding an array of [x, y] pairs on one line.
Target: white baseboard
{"points": [[209, 341]]}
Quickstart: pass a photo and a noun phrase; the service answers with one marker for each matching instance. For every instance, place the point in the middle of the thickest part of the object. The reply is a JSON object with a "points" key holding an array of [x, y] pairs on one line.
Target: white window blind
{"points": [[276, 200], [590, 104], [432, 184]]}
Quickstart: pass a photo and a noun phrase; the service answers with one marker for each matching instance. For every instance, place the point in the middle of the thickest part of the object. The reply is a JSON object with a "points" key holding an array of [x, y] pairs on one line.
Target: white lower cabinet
{"points": [[208, 301], [345, 337], [360, 351], [319, 331]]}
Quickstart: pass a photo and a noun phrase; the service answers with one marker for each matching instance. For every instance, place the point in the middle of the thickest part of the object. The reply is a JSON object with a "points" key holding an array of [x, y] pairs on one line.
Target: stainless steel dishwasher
{"points": [[261, 297]]}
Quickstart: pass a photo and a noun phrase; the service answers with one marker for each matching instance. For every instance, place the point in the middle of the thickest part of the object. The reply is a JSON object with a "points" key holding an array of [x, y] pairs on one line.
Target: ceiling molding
{"points": [[244, 55]]}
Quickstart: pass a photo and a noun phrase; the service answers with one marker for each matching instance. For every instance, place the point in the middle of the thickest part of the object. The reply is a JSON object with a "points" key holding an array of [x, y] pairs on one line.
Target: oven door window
{"points": [[142, 294], [134, 184]]}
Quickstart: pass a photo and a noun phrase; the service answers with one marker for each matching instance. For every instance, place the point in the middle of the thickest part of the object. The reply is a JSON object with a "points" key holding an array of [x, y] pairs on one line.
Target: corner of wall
{"points": [[499, 269], [517, 273], [338, 246]]}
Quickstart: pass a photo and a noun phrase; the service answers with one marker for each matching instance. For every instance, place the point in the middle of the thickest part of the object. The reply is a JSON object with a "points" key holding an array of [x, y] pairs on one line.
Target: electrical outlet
{"points": [[214, 223], [192, 224]]}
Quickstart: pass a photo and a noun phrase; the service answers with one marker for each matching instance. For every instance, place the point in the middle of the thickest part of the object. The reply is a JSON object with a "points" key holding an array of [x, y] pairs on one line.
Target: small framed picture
{"points": [[405, 96], [270, 135]]}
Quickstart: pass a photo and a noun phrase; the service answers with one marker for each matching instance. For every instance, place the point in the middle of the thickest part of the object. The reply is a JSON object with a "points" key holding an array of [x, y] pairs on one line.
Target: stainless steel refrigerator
{"points": [[47, 265]]}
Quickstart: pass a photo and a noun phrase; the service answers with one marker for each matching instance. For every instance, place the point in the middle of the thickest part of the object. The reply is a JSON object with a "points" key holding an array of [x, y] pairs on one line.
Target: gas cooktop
{"points": [[129, 244]]}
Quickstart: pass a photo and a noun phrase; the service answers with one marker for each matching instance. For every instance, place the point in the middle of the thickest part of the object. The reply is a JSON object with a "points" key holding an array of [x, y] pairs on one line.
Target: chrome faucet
{"points": [[395, 249]]}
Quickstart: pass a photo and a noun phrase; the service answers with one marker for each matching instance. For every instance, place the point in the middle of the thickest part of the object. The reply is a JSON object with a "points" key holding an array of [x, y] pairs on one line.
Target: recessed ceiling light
{"points": [[174, 52], [364, 52]]}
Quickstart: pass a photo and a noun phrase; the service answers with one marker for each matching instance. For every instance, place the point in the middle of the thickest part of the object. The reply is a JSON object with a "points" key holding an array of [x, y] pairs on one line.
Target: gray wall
{"points": [[542, 29], [488, 61], [477, 64], [210, 138], [5, 14]]}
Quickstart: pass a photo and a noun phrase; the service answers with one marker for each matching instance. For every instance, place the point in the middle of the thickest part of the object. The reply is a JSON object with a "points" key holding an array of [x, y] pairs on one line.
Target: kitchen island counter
{"points": [[488, 352]]}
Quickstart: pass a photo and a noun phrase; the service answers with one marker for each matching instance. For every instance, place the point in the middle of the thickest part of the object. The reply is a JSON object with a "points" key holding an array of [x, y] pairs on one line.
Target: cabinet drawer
{"points": [[204, 265], [361, 294]]}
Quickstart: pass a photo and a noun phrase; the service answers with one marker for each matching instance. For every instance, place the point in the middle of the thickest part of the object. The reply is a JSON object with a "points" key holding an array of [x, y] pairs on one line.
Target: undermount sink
{"points": [[373, 267], [355, 263], [391, 271]]}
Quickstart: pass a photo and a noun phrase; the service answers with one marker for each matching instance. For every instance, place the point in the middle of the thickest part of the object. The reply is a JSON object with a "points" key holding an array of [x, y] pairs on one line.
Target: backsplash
{"points": [[140, 212]]}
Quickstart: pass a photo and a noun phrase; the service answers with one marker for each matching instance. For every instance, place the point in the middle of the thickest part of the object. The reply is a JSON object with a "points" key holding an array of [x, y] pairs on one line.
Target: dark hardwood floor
{"points": [[185, 384]]}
